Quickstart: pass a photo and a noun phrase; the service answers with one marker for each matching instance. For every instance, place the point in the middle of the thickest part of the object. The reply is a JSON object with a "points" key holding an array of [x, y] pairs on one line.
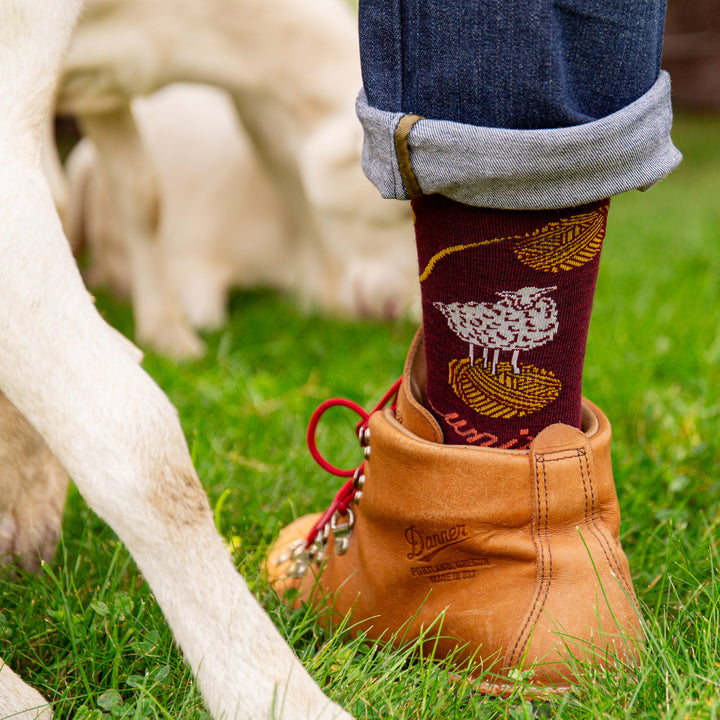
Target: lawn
{"points": [[90, 636]]}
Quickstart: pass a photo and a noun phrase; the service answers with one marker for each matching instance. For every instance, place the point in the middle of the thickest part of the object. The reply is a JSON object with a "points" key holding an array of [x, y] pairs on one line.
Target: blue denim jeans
{"points": [[519, 104]]}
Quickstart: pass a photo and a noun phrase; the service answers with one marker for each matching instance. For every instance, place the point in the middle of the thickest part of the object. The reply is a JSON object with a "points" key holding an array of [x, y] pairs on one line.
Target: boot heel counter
{"points": [[584, 607]]}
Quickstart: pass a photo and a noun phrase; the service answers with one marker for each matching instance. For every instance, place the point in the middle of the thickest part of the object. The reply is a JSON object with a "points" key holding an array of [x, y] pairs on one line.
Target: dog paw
{"points": [[204, 300], [374, 290], [18, 700], [172, 337], [33, 486]]}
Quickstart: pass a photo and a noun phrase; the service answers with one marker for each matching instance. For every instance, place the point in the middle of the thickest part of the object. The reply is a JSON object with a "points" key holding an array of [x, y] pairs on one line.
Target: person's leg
{"points": [[516, 548], [507, 288]]}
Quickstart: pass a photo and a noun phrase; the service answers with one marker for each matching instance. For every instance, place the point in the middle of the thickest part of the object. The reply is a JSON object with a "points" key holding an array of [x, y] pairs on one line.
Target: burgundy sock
{"points": [[506, 298]]}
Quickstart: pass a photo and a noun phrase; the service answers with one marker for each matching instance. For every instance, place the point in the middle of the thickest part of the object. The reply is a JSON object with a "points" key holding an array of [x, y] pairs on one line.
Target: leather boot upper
{"points": [[517, 552]]}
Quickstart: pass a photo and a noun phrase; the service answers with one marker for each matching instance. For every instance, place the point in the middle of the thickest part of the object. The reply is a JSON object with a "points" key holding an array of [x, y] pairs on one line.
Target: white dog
{"points": [[108, 424], [223, 224], [292, 72]]}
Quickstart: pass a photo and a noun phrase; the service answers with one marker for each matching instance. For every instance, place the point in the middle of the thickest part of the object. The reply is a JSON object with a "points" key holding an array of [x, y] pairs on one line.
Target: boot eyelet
{"points": [[342, 531]]}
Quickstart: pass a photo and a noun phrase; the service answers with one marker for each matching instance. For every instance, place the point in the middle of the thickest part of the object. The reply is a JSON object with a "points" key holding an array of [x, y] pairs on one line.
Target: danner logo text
{"points": [[424, 547]]}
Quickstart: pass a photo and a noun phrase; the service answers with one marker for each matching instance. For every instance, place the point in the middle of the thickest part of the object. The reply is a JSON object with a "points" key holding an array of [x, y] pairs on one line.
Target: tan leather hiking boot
{"points": [[518, 549]]}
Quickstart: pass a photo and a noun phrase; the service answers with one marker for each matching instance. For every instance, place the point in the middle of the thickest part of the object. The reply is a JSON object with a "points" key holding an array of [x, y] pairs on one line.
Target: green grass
{"points": [[90, 636]]}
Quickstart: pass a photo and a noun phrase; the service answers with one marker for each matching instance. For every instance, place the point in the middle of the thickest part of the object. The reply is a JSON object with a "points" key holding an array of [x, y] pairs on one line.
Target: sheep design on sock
{"points": [[521, 320]]}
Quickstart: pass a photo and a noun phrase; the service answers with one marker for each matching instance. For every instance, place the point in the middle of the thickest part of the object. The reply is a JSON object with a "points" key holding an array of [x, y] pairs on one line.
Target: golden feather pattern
{"points": [[561, 245], [565, 244], [505, 394]]}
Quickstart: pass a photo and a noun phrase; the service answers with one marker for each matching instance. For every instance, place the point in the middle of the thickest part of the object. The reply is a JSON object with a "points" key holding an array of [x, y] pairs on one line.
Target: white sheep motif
{"points": [[521, 320]]}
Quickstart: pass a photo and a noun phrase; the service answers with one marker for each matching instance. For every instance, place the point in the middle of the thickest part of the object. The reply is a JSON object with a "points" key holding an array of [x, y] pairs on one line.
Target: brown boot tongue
{"points": [[410, 411]]}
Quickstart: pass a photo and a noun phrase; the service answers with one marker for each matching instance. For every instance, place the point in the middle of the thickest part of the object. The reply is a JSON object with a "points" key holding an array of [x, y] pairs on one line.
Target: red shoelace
{"points": [[348, 491]]}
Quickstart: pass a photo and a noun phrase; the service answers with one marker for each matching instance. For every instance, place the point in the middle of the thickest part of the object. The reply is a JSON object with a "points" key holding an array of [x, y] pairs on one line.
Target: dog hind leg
{"points": [[119, 438], [33, 486], [107, 422]]}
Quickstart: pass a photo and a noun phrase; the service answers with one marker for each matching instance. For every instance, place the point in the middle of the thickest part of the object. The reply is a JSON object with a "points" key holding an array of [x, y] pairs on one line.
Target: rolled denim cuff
{"points": [[405, 155]]}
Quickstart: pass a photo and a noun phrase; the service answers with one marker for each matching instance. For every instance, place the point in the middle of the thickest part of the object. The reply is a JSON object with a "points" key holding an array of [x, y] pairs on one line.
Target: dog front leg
{"points": [[132, 184], [277, 137]]}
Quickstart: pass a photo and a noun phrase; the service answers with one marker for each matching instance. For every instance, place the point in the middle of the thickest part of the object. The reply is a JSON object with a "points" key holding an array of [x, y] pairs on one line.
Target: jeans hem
{"points": [[525, 169]]}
